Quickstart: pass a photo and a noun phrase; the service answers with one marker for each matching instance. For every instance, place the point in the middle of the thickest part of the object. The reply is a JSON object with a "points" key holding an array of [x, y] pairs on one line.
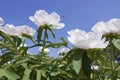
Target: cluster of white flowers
{"points": [[41, 17], [46, 50], [84, 40], [16, 30]]}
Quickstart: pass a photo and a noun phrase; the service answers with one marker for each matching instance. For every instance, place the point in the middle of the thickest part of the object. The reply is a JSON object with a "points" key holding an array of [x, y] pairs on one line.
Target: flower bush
{"points": [[95, 55]]}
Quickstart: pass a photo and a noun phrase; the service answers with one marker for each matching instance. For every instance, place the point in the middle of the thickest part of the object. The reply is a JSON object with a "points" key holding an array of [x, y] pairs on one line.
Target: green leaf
{"points": [[23, 50], [24, 65], [8, 46], [20, 61], [54, 73], [6, 57], [46, 34], [9, 74], [55, 45], [39, 35], [29, 37], [77, 61], [26, 35], [26, 74], [38, 75], [86, 65], [43, 66], [116, 43], [7, 38], [34, 66], [52, 31], [17, 40], [43, 72], [64, 41]]}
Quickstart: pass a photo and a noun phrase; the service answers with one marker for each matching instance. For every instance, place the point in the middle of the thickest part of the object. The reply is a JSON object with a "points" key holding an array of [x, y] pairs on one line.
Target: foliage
{"points": [[17, 64]]}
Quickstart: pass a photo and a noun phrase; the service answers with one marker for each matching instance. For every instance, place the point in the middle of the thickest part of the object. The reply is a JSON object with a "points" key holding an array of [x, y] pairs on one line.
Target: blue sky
{"points": [[81, 14]]}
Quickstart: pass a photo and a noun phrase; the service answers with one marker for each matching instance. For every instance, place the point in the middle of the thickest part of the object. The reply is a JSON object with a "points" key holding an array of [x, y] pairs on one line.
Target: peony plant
{"points": [[93, 55]]}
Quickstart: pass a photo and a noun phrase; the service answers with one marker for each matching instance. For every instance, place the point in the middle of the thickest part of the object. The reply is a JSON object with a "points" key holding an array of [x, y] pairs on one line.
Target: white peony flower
{"points": [[18, 30], [112, 26], [41, 17], [46, 50], [63, 50], [26, 30], [9, 29], [83, 40], [1, 21]]}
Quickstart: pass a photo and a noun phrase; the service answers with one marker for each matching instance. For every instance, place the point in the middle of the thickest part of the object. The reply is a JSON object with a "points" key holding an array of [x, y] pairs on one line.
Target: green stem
{"points": [[112, 60], [41, 54], [44, 42]]}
